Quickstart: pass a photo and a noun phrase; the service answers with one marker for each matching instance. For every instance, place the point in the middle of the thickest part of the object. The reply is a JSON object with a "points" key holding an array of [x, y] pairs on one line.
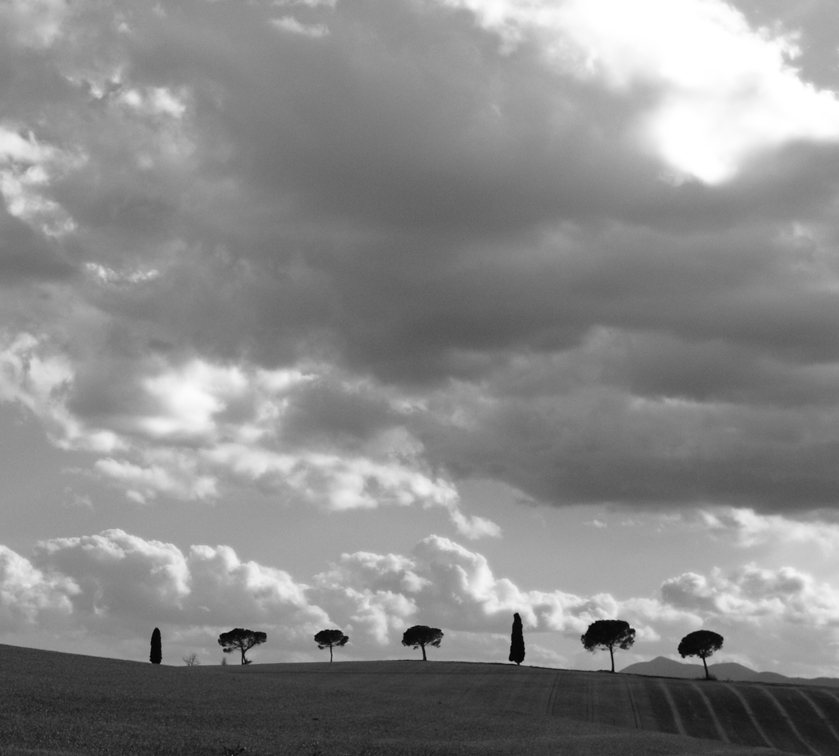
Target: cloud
{"points": [[446, 585], [293, 26], [749, 529], [196, 431], [463, 249], [27, 593], [33, 23], [751, 593], [123, 582], [115, 582], [710, 115], [110, 587]]}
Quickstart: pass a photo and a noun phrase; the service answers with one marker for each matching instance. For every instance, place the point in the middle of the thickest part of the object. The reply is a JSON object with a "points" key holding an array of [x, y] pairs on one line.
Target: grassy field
{"points": [[62, 704]]}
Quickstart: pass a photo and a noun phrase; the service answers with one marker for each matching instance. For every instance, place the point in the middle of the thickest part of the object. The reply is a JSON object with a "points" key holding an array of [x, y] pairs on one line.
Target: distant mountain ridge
{"points": [[663, 667]]}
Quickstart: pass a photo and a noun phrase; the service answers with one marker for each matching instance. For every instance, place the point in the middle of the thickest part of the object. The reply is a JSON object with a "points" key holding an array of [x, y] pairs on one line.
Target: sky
{"points": [[363, 314]]}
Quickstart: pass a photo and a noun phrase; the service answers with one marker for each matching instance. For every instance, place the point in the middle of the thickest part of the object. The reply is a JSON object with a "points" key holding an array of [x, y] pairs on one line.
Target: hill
{"points": [[664, 667], [54, 704]]}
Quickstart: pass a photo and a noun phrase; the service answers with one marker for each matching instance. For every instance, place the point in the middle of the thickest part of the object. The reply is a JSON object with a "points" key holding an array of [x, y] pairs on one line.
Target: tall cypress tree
{"points": [[517, 641], [156, 655]]}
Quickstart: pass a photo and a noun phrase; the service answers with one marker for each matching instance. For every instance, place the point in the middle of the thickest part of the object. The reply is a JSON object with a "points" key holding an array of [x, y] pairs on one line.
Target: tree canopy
{"points": [[608, 634], [701, 643], [420, 636], [241, 639], [330, 638], [517, 641]]}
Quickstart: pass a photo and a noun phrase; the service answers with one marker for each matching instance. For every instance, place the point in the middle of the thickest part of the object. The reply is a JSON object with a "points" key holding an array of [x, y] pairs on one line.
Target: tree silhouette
{"points": [[609, 634], [420, 636], [241, 639], [156, 655], [701, 643], [330, 638], [517, 641]]}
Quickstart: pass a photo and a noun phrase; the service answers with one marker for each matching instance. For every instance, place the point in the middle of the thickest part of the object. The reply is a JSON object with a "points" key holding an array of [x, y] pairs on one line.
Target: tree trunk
{"points": [[330, 654], [707, 676], [243, 655], [422, 646], [612, 654]]}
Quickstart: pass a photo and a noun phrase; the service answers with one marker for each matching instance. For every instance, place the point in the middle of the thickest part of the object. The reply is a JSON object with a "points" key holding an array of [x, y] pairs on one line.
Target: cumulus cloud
{"points": [[27, 593], [113, 582], [445, 584], [750, 593], [109, 587]]}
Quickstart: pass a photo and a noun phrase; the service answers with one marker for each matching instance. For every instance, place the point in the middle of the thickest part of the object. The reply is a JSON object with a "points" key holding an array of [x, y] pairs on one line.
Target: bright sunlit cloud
{"points": [[720, 91]]}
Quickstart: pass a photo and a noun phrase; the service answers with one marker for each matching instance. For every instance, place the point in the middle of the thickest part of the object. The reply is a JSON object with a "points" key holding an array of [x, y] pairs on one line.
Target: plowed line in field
{"points": [[769, 743], [720, 731], [632, 704], [552, 696], [818, 711], [471, 690], [786, 717], [676, 718]]}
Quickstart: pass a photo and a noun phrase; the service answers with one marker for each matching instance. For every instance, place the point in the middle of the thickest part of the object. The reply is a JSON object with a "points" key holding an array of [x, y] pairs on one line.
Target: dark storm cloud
{"points": [[470, 230]]}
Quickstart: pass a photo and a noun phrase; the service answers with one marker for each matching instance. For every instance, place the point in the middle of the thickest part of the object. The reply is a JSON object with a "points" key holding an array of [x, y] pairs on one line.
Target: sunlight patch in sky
{"points": [[720, 92]]}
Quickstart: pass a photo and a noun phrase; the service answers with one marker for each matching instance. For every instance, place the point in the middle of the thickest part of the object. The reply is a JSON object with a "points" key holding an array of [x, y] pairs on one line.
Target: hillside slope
{"points": [[65, 704], [661, 666]]}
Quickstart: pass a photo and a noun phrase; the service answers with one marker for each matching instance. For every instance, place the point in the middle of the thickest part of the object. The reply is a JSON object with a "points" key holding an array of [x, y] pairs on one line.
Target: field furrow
{"points": [[827, 706], [812, 729], [531, 695], [568, 700], [511, 688], [608, 701], [695, 716], [775, 726], [664, 713], [638, 690], [731, 713], [703, 694]]}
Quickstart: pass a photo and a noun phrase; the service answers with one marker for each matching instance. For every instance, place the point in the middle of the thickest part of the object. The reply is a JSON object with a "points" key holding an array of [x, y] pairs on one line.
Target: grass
{"points": [[60, 704]]}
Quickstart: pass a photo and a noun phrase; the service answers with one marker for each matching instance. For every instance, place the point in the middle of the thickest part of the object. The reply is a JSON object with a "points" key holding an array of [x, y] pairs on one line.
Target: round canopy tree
{"points": [[517, 641], [330, 638], [420, 636], [609, 634], [241, 640], [701, 643]]}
